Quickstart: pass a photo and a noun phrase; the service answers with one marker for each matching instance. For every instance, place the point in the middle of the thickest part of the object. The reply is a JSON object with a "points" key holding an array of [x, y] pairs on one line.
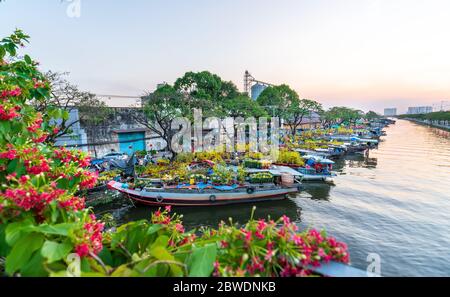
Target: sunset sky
{"points": [[367, 54]]}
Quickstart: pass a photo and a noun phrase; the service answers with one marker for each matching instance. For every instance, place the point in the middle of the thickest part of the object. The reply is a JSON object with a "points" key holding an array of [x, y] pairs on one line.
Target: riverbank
{"points": [[445, 125], [439, 119]]}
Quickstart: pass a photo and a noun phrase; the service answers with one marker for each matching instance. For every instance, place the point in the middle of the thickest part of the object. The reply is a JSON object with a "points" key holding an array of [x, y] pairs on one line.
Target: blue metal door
{"points": [[131, 142]]}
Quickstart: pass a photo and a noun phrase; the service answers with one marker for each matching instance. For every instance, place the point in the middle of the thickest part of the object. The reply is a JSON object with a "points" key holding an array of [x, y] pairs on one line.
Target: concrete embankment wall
{"points": [[437, 124]]}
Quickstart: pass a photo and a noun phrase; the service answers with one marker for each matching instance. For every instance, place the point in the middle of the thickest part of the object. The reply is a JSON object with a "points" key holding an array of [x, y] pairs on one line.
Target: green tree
{"points": [[207, 91], [372, 115], [159, 109], [243, 106], [67, 97], [297, 112], [277, 100], [341, 115]]}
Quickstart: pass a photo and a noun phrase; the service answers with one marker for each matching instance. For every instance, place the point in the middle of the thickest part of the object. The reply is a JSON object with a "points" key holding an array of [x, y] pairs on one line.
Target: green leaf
{"points": [[4, 248], [153, 229], [15, 230], [34, 267], [11, 48], [106, 257], [122, 271], [63, 183], [134, 239], [2, 52], [17, 167], [59, 229], [55, 251], [65, 115], [42, 92], [161, 241], [85, 266], [74, 181], [22, 252], [28, 59], [162, 254], [38, 180], [5, 127], [201, 262]]}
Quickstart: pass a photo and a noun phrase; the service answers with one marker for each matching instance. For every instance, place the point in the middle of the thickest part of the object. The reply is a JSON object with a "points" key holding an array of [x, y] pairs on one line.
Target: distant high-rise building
{"points": [[257, 89], [420, 110], [390, 112], [160, 85]]}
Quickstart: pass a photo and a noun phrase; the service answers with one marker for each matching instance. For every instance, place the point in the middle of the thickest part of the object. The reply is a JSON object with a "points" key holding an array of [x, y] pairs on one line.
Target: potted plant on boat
{"points": [[291, 159], [261, 178]]}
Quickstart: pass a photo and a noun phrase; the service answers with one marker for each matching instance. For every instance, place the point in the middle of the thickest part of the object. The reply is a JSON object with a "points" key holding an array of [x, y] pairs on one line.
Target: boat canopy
{"points": [[369, 140], [318, 159], [276, 170]]}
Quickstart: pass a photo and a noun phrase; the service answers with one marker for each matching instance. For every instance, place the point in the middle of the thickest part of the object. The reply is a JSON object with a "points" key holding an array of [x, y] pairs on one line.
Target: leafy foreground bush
{"points": [[45, 229]]}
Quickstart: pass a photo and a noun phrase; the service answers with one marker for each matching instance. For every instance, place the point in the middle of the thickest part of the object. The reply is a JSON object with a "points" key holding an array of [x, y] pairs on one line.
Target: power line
{"points": [[118, 96], [109, 142]]}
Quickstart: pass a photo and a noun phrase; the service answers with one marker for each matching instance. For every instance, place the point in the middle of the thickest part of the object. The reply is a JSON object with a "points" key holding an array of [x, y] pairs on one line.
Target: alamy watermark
{"points": [[374, 267], [73, 265], [73, 9], [227, 135]]}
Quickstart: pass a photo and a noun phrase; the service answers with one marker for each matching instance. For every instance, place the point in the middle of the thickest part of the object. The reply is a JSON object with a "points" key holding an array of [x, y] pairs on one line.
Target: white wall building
{"points": [[78, 136], [420, 110], [390, 112]]}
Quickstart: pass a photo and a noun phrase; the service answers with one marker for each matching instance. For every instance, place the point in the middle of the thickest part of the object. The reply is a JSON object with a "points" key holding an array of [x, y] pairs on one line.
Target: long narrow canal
{"points": [[395, 203]]}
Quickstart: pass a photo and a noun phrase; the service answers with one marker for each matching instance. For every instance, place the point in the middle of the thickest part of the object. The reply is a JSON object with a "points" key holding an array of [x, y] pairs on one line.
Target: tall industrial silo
{"points": [[257, 89]]}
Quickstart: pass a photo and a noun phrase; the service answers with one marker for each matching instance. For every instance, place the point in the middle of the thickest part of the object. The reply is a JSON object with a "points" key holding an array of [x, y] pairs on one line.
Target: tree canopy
{"points": [[160, 108], [206, 91], [341, 115], [278, 100]]}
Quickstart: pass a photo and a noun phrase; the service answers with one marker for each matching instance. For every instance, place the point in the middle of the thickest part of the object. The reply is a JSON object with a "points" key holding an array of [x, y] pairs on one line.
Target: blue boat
{"points": [[322, 173]]}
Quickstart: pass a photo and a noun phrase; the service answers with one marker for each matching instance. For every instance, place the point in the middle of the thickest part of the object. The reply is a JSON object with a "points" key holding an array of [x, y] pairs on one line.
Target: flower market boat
{"points": [[282, 181], [197, 195], [333, 151], [318, 169], [322, 153], [310, 174]]}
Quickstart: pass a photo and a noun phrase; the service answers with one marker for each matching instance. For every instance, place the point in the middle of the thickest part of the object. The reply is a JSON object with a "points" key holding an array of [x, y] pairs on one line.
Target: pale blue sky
{"points": [[368, 54]]}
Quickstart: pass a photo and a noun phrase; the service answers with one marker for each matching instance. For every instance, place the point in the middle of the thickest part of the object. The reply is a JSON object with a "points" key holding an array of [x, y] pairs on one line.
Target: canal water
{"points": [[394, 203]]}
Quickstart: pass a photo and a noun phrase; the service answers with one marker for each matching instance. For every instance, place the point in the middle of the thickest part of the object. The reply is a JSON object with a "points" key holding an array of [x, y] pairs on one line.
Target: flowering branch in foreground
{"points": [[43, 222]]}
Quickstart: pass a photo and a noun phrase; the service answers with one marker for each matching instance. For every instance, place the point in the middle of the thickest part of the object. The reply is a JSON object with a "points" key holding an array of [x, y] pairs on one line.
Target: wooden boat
{"points": [[198, 196], [356, 147], [334, 152], [310, 174], [324, 154]]}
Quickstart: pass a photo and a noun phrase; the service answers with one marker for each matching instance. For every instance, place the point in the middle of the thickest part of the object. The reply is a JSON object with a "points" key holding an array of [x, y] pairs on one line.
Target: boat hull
{"points": [[197, 198], [317, 178]]}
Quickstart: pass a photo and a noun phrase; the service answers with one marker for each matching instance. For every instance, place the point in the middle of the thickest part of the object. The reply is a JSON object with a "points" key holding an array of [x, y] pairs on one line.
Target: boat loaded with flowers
{"points": [[222, 185]]}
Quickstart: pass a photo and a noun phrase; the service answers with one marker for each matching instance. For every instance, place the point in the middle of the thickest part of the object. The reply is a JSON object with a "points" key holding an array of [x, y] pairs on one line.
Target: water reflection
{"points": [[356, 161], [317, 191], [211, 216], [441, 133]]}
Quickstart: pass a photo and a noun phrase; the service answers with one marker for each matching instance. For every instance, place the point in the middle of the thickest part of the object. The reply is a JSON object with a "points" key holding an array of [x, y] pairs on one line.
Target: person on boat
{"points": [[318, 167]]}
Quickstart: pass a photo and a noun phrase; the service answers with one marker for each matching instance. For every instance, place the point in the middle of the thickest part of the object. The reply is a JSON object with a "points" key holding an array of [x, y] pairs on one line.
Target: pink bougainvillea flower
{"points": [[179, 227], [82, 250]]}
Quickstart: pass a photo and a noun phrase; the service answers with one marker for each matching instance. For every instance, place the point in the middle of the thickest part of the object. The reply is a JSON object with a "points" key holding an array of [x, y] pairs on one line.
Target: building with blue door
{"points": [[131, 140]]}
